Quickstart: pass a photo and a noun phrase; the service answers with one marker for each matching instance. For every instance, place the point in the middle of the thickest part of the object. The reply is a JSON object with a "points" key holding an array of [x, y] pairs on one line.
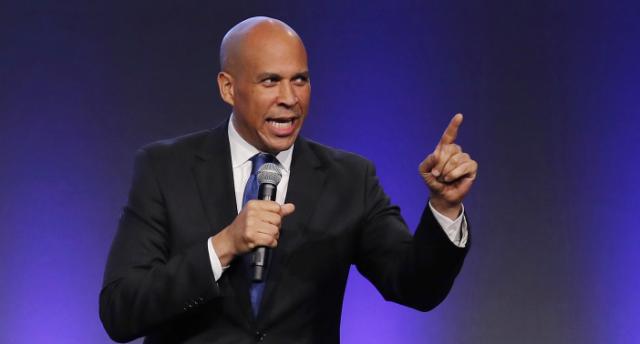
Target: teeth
{"points": [[281, 124]]}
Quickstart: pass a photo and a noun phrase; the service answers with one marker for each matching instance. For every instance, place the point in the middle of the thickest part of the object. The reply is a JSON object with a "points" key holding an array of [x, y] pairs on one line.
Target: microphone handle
{"points": [[260, 259]]}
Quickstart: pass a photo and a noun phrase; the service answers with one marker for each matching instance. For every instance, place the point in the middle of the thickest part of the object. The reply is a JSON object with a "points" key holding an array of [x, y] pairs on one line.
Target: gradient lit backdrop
{"points": [[551, 96]]}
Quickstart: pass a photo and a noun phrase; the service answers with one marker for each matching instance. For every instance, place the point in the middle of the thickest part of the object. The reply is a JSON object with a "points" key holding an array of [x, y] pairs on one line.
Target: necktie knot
{"points": [[260, 159], [251, 189]]}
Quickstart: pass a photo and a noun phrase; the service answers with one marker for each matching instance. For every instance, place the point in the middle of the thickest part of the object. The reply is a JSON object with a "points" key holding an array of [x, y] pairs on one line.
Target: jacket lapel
{"points": [[214, 177], [305, 185]]}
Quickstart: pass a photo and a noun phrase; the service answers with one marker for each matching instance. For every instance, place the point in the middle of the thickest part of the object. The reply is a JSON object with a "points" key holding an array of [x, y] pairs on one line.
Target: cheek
{"points": [[262, 100], [303, 96], [254, 104]]}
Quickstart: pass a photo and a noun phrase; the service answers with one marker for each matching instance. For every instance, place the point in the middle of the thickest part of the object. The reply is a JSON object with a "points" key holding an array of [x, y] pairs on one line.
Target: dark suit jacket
{"points": [[158, 280]]}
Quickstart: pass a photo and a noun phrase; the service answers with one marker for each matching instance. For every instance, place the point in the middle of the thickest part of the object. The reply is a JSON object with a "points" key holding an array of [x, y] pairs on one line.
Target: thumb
{"points": [[287, 209]]}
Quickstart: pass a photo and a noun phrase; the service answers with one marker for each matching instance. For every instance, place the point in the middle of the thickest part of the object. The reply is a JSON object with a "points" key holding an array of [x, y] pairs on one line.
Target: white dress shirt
{"points": [[241, 153]]}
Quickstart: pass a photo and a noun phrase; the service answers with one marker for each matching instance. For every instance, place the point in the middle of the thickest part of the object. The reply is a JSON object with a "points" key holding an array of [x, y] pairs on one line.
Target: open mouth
{"points": [[281, 122], [282, 126]]}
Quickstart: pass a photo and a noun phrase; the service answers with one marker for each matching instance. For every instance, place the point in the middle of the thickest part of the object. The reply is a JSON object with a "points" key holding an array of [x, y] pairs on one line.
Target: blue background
{"points": [[550, 93]]}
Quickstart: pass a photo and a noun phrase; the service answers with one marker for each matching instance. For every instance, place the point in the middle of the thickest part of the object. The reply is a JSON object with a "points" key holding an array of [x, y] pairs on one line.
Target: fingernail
{"points": [[435, 172]]}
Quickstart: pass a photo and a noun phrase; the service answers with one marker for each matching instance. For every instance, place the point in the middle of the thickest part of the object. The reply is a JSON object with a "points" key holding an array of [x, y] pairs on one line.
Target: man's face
{"points": [[271, 91]]}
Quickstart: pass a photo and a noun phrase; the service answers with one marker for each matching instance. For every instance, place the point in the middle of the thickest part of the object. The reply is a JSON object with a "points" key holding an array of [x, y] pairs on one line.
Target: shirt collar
{"points": [[242, 151]]}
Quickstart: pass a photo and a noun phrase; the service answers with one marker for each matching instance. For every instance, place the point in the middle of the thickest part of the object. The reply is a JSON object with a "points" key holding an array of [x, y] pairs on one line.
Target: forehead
{"points": [[276, 51]]}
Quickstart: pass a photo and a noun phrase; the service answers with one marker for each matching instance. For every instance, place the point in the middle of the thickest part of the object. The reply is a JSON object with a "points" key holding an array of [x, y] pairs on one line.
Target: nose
{"points": [[287, 96]]}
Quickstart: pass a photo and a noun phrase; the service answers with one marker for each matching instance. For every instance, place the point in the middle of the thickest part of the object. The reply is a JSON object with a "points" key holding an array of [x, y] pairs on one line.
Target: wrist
{"points": [[448, 209], [223, 246]]}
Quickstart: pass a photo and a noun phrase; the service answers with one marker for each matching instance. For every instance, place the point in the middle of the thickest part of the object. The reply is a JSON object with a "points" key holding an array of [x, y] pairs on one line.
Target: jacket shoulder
{"points": [[182, 144], [335, 156]]}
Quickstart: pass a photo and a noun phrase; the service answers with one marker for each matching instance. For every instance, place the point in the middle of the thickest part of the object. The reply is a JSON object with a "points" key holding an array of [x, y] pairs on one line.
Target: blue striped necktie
{"points": [[251, 192]]}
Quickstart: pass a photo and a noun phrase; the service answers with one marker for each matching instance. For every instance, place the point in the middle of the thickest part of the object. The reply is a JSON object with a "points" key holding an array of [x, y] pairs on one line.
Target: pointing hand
{"points": [[449, 172]]}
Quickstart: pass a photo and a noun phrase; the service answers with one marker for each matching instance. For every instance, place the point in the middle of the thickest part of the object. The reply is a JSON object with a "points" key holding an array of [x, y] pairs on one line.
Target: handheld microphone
{"points": [[269, 176]]}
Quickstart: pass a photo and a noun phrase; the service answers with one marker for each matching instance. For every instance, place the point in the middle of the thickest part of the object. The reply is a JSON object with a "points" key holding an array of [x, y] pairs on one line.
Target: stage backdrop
{"points": [[549, 90]]}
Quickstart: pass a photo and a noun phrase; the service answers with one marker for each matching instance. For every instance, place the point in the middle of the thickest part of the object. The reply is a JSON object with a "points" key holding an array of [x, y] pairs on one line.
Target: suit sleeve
{"points": [[417, 271], [145, 285]]}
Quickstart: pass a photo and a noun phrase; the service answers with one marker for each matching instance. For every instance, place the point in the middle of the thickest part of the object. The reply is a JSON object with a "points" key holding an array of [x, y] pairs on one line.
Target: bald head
{"points": [[265, 79], [249, 36]]}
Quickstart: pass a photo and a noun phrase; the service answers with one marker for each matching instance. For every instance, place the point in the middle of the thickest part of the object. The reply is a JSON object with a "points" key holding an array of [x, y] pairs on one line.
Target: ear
{"points": [[225, 85]]}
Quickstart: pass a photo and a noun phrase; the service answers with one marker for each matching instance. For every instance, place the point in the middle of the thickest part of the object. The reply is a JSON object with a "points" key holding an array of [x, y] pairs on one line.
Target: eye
{"points": [[270, 81], [301, 80]]}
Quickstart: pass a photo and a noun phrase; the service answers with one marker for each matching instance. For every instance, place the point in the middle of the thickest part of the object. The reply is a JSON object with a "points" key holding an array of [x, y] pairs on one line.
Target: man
{"points": [[177, 271]]}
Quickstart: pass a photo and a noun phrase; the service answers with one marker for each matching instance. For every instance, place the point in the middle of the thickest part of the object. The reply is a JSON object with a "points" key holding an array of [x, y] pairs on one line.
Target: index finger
{"points": [[450, 134]]}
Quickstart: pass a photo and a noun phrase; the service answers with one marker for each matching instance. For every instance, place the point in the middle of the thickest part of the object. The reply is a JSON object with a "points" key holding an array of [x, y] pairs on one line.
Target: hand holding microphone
{"points": [[256, 226]]}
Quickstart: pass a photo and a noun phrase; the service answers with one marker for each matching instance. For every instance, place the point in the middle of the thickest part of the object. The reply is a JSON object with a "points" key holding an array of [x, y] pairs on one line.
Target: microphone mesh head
{"points": [[269, 173]]}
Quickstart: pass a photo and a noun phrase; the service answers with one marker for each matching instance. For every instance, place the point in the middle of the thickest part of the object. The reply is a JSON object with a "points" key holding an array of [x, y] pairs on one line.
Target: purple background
{"points": [[550, 90]]}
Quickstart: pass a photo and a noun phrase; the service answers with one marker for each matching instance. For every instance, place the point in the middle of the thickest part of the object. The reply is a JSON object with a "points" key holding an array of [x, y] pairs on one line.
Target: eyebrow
{"points": [[304, 74], [276, 76], [263, 76]]}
